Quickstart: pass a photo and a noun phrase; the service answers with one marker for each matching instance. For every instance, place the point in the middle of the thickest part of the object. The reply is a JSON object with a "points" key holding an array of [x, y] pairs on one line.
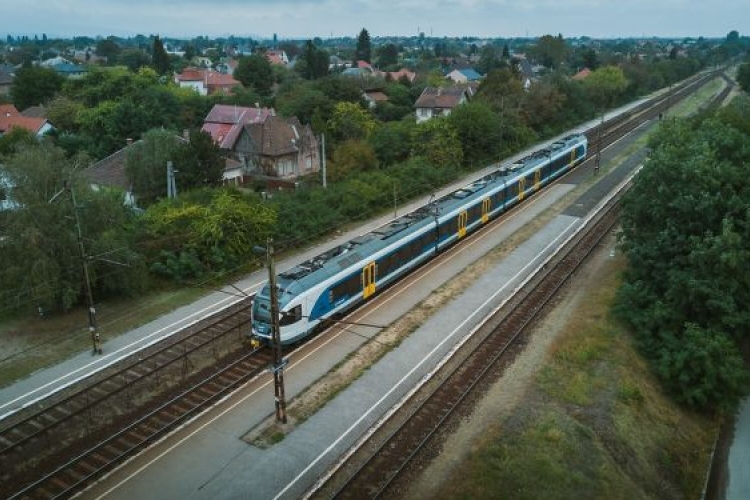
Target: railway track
{"points": [[373, 470], [388, 456], [92, 422]]}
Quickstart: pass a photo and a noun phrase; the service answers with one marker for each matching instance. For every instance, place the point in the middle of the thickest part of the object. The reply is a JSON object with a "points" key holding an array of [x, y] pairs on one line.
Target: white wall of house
{"points": [[195, 85]]}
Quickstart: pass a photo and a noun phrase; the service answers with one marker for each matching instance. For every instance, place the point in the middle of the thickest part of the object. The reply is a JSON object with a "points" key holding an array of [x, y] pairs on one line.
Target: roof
{"points": [[209, 78], [276, 136], [439, 97], [469, 73], [403, 72], [224, 122], [111, 170], [6, 77], [582, 75], [35, 112], [10, 117], [376, 95]]}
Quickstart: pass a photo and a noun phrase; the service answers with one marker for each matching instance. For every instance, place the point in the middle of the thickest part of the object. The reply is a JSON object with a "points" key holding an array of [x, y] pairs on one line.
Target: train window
{"points": [[291, 316], [347, 288]]}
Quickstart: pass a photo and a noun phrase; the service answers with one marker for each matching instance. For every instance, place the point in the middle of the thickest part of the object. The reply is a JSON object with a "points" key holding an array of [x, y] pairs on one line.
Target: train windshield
{"points": [[262, 310]]}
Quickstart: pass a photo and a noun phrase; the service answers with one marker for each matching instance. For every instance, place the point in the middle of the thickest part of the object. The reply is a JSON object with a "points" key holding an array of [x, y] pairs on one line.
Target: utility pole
{"points": [[278, 361], [323, 158], [95, 339], [171, 184], [599, 146]]}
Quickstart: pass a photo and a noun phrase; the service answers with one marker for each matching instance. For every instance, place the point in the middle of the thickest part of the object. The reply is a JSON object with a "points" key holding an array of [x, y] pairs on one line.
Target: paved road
{"points": [[739, 457]]}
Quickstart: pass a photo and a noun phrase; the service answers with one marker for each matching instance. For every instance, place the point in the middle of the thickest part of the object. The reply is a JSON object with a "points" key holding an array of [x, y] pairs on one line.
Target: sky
{"points": [[302, 19]]}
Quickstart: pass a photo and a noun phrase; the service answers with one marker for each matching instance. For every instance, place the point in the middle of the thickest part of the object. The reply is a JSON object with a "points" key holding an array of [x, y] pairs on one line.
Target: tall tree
{"points": [[199, 162], [313, 63], [255, 71], [34, 85], [159, 57], [363, 51]]}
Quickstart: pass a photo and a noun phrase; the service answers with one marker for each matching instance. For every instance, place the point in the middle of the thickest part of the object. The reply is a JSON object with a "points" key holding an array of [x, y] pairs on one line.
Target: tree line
{"points": [[686, 234], [373, 156]]}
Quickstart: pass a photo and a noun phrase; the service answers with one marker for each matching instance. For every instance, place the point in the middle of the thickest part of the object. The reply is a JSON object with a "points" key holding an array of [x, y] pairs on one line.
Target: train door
{"points": [[573, 157], [521, 187], [537, 179], [462, 218], [486, 205], [368, 280]]}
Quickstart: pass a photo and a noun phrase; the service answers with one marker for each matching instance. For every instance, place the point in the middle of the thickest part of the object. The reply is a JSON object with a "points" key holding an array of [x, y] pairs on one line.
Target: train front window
{"points": [[262, 310]]}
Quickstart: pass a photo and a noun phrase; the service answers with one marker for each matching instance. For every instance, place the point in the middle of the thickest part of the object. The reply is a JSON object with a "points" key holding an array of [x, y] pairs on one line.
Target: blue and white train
{"points": [[351, 273]]}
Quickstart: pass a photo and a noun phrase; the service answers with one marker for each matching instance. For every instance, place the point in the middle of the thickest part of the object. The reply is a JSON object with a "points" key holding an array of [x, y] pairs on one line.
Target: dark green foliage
{"points": [[159, 57], [255, 71], [41, 256], [387, 57], [392, 141], [479, 131], [363, 51], [686, 233], [199, 162], [743, 77], [313, 63], [34, 85]]}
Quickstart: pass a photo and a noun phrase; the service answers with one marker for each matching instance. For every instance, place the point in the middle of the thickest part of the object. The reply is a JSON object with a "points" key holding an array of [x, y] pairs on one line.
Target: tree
{"points": [[437, 141], [159, 57], [255, 71], [351, 156], [550, 51], [134, 59], [387, 56], [479, 131], [13, 140], [205, 232], [146, 164], [743, 77], [392, 141], [199, 163], [40, 251], [313, 63], [350, 121], [34, 85], [685, 232], [363, 51], [605, 86], [109, 48]]}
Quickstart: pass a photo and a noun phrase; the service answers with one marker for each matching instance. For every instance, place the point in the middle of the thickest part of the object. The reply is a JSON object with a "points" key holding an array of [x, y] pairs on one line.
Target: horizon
{"points": [[326, 19]]}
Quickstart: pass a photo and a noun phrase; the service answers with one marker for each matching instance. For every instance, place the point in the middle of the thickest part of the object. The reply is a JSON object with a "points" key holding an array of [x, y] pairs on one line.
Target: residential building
{"points": [[278, 148], [277, 57], [206, 81], [10, 117], [7, 74], [401, 74], [439, 101], [224, 123], [373, 97], [463, 75]]}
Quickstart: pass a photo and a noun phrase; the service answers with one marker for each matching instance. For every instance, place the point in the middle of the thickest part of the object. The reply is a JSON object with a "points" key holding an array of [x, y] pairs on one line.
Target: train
{"points": [[330, 284]]}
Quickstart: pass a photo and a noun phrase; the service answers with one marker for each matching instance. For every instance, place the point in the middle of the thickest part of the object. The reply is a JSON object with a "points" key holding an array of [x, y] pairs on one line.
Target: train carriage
{"points": [[343, 277]]}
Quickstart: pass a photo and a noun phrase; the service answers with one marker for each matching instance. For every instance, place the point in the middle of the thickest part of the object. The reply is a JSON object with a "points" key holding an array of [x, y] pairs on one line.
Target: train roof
{"points": [[311, 272]]}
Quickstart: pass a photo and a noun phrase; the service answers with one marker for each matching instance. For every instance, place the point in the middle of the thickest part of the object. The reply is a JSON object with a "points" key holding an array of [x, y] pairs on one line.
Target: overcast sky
{"points": [[326, 18]]}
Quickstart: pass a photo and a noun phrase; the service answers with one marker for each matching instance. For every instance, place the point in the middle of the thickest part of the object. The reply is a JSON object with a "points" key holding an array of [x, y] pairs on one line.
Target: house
{"points": [[10, 117], [582, 75], [277, 57], [397, 76], [464, 75], [206, 81], [110, 173], [224, 123], [279, 148], [373, 97], [7, 74], [228, 66], [362, 69], [439, 101]]}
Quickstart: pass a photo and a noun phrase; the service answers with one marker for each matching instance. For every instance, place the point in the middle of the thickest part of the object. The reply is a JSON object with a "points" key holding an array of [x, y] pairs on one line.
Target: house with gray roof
{"points": [[439, 101]]}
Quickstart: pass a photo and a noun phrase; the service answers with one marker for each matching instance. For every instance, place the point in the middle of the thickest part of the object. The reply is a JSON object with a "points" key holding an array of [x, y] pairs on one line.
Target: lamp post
{"points": [[278, 361]]}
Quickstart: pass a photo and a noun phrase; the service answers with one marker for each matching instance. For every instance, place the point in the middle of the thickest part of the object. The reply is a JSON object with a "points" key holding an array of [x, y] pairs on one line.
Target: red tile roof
{"points": [[225, 122], [10, 117], [440, 98], [213, 81], [582, 75]]}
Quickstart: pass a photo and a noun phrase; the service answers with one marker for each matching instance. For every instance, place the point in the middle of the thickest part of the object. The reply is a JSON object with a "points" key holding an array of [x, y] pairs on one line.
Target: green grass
{"points": [[595, 424], [28, 345]]}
